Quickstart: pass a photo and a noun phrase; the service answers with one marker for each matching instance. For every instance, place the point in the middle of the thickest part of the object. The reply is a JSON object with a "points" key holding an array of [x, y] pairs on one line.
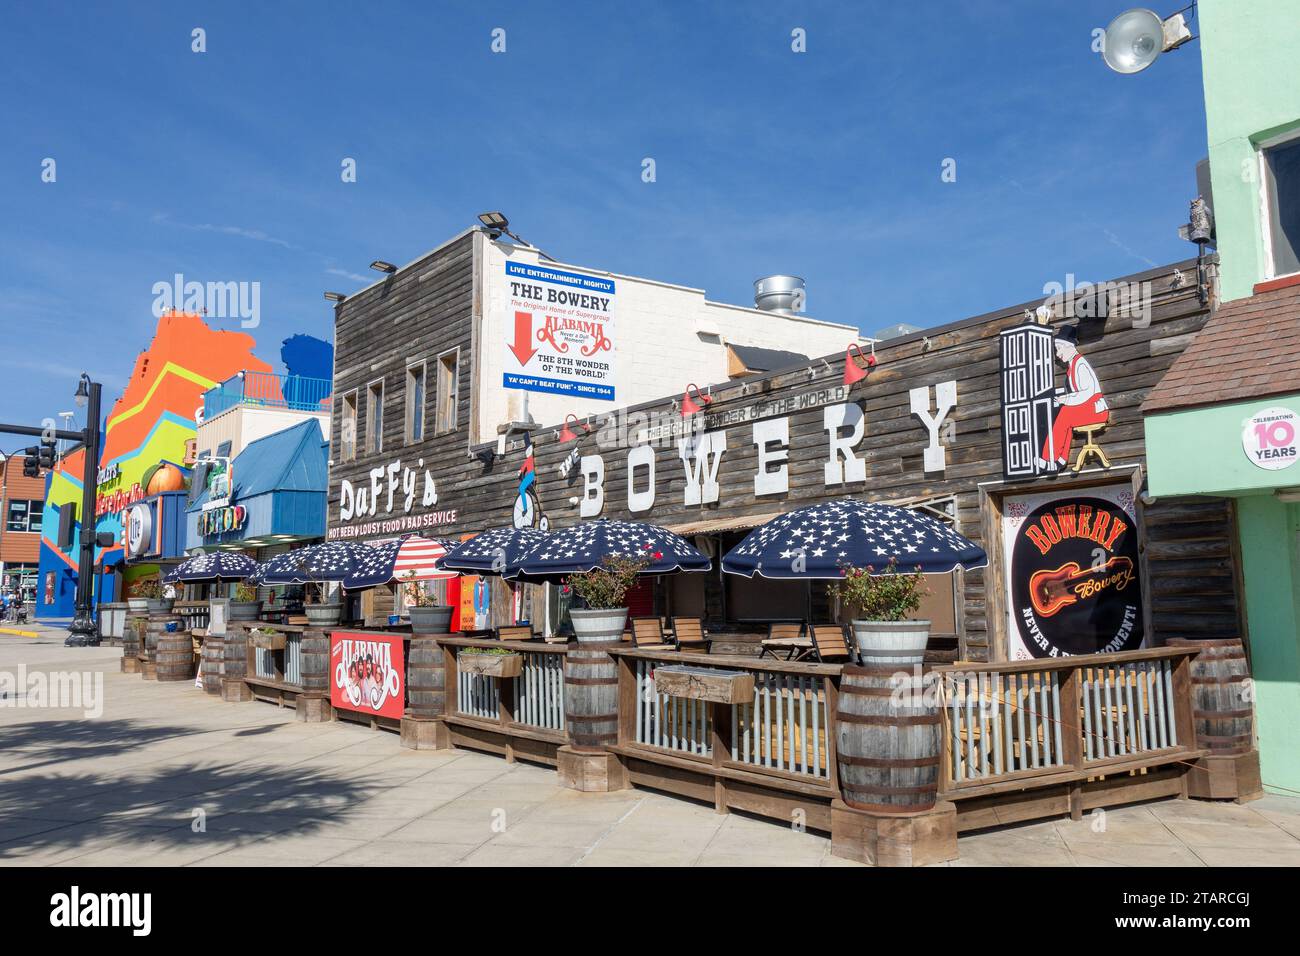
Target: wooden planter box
{"points": [[703, 683], [267, 642], [490, 665]]}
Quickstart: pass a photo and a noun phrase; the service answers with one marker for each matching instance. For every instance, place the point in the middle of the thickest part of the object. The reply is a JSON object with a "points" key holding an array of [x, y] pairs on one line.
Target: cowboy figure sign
{"points": [[1080, 405]]}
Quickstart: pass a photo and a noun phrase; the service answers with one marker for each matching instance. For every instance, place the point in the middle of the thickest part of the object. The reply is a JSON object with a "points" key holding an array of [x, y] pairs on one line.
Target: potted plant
{"points": [[321, 612], [245, 606], [151, 589], [426, 616], [881, 603], [602, 591], [268, 638], [137, 601], [490, 661]]}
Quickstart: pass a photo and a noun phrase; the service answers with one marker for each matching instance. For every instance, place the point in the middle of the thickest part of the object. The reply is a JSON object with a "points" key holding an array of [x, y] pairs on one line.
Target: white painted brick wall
{"points": [[658, 346]]}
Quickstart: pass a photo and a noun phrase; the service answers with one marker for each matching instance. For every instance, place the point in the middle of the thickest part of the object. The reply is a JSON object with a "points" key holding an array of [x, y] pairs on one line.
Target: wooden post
{"points": [[1072, 735], [720, 720]]}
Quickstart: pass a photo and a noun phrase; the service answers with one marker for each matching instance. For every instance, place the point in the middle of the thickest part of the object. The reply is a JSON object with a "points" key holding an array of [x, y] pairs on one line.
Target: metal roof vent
{"points": [[781, 294]]}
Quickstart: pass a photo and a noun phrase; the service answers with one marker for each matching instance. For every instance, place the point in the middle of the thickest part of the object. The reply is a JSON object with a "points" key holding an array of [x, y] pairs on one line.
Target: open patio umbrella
{"points": [[213, 566], [410, 557], [820, 540], [491, 552], [316, 563], [584, 547]]}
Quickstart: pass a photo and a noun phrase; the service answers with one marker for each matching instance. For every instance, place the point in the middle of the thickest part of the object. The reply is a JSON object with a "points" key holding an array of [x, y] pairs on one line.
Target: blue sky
{"points": [[225, 166]]}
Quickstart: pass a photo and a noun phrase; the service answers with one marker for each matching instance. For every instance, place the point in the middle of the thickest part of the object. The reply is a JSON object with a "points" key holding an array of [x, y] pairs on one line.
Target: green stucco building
{"points": [[1225, 420]]}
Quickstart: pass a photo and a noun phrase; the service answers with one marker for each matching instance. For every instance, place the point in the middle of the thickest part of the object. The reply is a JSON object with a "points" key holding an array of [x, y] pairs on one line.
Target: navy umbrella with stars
{"points": [[316, 563], [821, 540], [213, 566], [492, 552], [584, 547]]}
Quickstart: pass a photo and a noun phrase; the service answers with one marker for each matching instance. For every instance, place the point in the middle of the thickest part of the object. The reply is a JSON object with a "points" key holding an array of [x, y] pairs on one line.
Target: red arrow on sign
{"points": [[523, 346]]}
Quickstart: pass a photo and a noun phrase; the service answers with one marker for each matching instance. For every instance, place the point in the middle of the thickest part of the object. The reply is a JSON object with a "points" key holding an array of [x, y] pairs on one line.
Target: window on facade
{"points": [[348, 427], [375, 418], [415, 403], [1282, 195], [24, 515], [448, 390]]}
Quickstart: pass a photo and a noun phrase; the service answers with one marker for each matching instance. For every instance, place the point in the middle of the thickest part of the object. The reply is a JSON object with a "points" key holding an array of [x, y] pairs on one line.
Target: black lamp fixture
{"points": [[498, 225], [496, 221], [335, 296], [379, 265], [83, 391]]}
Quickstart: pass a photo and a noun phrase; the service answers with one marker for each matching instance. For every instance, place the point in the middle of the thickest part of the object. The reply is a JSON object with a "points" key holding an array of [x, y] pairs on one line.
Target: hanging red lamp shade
{"points": [[853, 372], [567, 434], [689, 405]]}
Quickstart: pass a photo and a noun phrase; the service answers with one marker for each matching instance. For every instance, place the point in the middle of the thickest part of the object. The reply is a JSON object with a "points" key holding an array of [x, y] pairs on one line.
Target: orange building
{"points": [[22, 501]]}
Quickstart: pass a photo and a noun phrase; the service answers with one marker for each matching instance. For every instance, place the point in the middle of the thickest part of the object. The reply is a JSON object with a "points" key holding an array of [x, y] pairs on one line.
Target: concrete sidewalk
{"points": [[168, 775]]}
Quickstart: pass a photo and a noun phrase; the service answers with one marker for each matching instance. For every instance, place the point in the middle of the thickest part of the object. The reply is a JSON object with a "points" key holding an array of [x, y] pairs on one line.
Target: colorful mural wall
{"points": [[144, 450]]}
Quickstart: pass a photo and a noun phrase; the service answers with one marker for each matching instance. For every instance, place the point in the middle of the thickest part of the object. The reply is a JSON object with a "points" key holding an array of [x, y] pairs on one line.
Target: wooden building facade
{"points": [[925, 429]]}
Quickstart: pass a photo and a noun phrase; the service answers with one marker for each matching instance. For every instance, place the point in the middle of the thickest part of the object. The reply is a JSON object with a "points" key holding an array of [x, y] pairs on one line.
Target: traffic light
{"points": [[39, 458]]}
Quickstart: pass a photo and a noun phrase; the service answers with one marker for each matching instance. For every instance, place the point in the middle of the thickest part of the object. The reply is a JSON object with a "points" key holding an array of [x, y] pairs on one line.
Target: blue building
{"points": [[271, 496]]}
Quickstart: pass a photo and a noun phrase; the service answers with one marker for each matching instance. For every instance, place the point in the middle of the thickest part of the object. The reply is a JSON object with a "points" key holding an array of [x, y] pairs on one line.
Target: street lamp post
{"points": [[82, 631]]}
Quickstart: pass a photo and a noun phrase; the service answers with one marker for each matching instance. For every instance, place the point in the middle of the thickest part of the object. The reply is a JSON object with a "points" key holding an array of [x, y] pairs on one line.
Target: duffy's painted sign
{"points": [[1072, 574], [559, 331], [366, 673]]}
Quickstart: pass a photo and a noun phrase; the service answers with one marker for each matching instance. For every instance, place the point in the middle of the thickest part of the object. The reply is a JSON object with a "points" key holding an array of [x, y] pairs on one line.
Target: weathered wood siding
{"points": [[415, 315], [1190, 543]]}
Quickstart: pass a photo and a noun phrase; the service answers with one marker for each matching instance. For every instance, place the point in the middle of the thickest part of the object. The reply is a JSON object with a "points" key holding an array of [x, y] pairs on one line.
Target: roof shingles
{"points": [[1250, 348]]}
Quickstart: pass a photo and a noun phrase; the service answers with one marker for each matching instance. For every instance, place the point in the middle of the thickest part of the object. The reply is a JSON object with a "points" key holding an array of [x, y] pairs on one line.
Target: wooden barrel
{"points": [[174, 656], [314, 656], [591, 695], [214, 656], [1221, 709], [155, 629], [426, 678], [236, 663], [889, 738]]}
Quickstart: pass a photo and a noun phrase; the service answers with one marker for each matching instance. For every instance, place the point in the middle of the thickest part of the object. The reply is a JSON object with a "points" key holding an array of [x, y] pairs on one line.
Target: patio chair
{"points": [[515, 632], [784, 636], [648, 632], [830, 645], [688, 634]]}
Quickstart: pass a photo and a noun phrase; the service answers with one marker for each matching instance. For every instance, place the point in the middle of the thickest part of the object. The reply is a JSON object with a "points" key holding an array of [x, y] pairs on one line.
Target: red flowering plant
{"points": [[603, 588], [888, 596]]}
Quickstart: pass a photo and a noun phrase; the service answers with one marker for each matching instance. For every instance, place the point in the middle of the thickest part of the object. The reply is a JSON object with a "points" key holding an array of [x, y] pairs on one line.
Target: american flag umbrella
{"points": [[585, 546], [213, 566], [492, 552], [409, 558], [822, 539], [330, 561]]}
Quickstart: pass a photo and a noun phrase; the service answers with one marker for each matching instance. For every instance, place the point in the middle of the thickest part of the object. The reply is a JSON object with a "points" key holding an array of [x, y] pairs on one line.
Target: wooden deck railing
{"points": [[773, 754], [520, 716], [1083, 716]]}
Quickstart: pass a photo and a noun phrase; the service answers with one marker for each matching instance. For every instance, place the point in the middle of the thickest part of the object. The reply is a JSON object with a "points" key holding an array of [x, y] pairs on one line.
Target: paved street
{"points": [[169, 775]]}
